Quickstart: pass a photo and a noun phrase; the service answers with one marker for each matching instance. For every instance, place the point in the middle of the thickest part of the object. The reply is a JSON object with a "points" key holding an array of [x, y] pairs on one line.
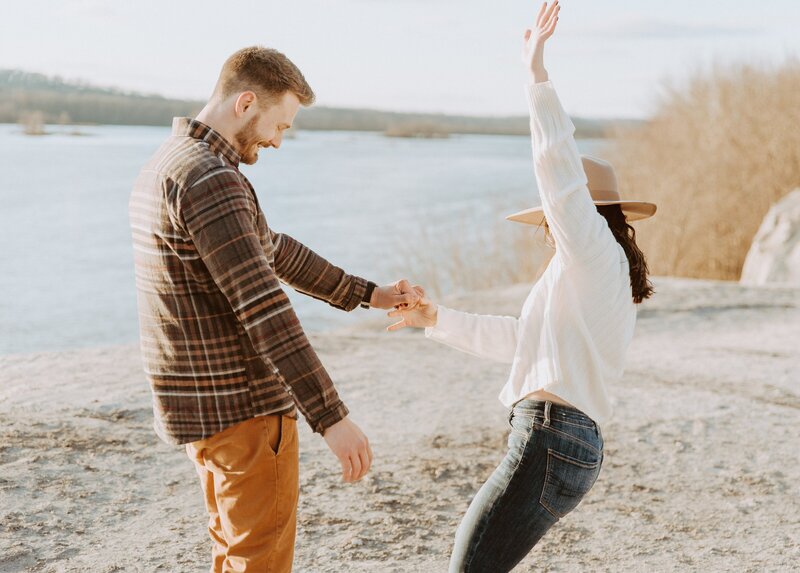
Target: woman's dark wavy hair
{"points": [[641, 287]]}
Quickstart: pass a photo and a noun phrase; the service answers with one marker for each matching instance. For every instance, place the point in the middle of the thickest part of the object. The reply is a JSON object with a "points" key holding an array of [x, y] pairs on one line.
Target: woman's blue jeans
{"points": [[554, 457]]}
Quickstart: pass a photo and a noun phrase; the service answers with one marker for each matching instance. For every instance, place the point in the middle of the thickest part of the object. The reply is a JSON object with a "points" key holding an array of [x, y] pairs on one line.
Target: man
{"points": [[223, 350]]}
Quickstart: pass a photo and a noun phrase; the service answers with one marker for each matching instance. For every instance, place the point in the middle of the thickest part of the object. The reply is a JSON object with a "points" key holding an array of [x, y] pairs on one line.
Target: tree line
{"points": [[54, 100]]}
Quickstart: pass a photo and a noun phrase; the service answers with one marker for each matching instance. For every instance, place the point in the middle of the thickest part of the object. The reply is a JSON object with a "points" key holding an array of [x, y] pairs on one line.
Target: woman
{"points": [[567, 345]]}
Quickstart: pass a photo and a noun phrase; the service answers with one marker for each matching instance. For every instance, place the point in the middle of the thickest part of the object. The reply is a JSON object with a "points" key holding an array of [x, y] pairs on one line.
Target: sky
{"points": [[608, 58]]}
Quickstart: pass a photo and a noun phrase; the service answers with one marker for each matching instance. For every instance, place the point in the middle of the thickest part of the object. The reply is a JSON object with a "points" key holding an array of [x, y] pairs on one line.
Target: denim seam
{"points": [[573, 461], [544, 488], [488, 517], [570, 437], [566, 459], [574, 424]]}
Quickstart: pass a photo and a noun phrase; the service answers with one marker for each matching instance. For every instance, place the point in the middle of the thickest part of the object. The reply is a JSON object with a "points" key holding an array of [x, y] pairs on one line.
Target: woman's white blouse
{"points": [[578, 320]]}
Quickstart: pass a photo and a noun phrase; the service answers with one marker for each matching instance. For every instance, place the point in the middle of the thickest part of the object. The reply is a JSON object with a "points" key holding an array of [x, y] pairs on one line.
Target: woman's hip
{"points": [[552, 462]]}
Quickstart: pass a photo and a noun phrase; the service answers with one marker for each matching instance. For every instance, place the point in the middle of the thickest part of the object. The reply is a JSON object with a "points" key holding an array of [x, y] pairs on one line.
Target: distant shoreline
{"points": [[70, 129], [34, 99]]}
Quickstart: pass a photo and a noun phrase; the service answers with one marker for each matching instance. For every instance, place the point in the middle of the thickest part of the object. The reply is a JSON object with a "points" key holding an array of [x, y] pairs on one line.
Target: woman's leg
{"points": [[523, 498]]}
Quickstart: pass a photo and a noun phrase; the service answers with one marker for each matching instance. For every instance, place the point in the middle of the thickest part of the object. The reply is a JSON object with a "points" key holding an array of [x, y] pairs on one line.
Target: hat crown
{"points": [[601, 179]]}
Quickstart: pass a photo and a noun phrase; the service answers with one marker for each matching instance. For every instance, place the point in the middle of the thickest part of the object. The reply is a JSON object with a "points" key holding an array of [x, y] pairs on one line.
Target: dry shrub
{"points": [[714, 158], [33, 123]]}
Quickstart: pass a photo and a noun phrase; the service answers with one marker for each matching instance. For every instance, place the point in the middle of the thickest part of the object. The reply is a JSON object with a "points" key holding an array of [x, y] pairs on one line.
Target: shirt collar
{"points": [[188, 127]]}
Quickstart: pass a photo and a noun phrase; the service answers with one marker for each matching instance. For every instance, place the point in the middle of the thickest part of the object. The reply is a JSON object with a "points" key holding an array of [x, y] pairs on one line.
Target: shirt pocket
{"points": [[567, 481]]}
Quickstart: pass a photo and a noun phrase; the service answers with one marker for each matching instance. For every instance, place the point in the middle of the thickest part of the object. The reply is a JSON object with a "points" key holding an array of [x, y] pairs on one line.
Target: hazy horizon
{"points": [[610, 60], [80, 82]]}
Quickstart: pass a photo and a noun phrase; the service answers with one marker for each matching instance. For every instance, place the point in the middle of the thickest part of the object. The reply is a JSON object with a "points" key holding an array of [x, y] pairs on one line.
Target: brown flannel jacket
{"points": [[220, 340]]}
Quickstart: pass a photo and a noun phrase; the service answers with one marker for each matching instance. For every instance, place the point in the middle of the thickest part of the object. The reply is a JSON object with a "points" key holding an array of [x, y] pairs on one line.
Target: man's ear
{"points": [[244, 101]]}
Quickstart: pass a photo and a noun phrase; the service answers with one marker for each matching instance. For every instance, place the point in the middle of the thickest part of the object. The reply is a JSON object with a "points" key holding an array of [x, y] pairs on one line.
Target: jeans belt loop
{"points": [[547, 413]]}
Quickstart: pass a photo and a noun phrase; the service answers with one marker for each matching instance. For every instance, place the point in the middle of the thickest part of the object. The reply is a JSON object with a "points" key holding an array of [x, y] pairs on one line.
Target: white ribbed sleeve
{"points": [[487, 336], [580, 232]]}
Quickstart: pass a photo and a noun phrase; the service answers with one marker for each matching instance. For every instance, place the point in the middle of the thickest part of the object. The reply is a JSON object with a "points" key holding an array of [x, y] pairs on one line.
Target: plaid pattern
{"points": [[220, 340]]}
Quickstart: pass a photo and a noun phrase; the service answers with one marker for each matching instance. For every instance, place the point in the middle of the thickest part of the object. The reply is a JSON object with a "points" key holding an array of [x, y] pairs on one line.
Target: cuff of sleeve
{"points": [[443, 327], [549, 121], [355, 296], [331, 416], [371, 286]]}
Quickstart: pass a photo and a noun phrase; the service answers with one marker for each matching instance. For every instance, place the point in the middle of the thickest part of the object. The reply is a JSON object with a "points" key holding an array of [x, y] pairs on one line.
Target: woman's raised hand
{"points": [[421, 315], [535, 38]]}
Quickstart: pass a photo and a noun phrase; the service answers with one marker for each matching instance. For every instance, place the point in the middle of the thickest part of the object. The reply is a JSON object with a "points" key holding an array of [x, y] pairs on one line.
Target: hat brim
{"points": [[634, 211]]}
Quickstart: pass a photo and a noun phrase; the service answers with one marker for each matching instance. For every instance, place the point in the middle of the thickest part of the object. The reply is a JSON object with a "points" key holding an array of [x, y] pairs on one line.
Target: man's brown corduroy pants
{"points": [[249, 475]]}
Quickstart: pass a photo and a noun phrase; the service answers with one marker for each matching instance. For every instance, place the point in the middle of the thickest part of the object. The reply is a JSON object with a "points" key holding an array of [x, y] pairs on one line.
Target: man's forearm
{"points": [[311, 274]]}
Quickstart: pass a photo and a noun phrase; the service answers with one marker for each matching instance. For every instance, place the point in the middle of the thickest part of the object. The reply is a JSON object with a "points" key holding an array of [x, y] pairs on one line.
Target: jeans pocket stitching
{"points": [[587, 426], [548, 482], [573, 461], [569, 437]]}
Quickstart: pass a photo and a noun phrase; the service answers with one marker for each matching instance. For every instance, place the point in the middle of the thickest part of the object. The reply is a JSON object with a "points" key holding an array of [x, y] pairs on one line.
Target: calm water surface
{"points": [[66, 264]]}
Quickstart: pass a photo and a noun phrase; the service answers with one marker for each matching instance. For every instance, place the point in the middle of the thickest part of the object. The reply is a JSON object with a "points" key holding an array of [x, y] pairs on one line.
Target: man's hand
{"points": [[535, 38], [424, 313], [397, 295], [351, 446]]}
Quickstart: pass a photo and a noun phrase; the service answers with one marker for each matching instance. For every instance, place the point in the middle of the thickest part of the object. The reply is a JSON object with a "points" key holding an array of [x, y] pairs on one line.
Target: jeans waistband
{"points": [[551, 411]]}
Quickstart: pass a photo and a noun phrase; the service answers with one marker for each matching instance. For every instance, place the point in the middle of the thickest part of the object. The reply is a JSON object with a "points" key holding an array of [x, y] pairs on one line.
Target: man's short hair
{"points": [[266, 72]]}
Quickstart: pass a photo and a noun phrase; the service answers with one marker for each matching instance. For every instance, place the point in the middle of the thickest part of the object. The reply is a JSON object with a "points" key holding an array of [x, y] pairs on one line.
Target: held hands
{"points": [[351, 446], [399, 294], [535, 38], [424, 313]]}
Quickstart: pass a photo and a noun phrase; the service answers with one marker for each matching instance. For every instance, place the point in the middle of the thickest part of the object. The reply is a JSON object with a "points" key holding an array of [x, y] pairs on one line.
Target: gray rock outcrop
{"points": [[774, 255]]}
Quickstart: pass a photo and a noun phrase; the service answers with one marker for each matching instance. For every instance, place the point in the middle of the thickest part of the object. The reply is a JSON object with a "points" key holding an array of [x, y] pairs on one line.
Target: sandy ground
{"points": [[701, 469]]}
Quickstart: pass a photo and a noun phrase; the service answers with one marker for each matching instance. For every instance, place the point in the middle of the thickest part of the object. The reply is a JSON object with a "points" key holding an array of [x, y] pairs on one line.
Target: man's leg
{"points": [[254, 469], [219, 548]]}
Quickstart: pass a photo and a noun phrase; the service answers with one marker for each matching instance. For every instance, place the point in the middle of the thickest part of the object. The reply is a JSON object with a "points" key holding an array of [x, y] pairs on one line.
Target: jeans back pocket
{"points": [[567, 481]]}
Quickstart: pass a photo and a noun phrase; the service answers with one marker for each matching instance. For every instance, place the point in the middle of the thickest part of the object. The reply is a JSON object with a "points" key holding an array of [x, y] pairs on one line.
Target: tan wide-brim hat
{"points": [[602, 183]]}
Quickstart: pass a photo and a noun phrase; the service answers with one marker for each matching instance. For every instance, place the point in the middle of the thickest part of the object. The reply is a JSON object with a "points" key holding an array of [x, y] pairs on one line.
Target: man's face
{"points": [[265, 127]]}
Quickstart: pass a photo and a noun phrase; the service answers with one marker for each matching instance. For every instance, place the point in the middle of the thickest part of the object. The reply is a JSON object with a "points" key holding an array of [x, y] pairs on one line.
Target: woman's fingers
{"points": [[545, 22], [551, 26], [554, 15], [407, 299], [542, 9], [553, 9], [396, 326]]}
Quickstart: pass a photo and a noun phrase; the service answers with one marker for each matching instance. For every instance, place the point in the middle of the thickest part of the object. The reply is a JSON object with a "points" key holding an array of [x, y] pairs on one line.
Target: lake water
{"points": [[358, 199]]}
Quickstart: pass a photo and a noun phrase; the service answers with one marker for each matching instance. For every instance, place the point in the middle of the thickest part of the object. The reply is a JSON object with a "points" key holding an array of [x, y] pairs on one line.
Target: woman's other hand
{"points": [[535, 38], [421, 315]]}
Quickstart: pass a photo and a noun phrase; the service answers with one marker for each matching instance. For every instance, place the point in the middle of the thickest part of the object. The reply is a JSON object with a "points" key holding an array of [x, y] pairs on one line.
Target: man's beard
{"points": [[247, 139]]}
